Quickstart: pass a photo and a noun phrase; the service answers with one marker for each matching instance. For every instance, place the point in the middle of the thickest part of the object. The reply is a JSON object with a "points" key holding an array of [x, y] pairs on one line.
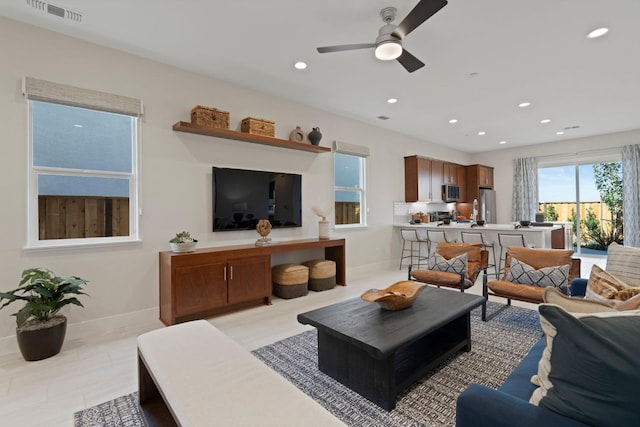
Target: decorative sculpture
{"points": [[263, 228]]}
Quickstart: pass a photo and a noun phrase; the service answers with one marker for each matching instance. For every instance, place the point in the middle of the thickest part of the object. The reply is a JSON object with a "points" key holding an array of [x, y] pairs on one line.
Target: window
{"points": [[349, 184], [83, 166]]}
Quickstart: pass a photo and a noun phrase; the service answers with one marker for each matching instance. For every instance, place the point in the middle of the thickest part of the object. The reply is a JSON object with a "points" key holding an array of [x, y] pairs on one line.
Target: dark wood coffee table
{"points": [[379, 353]]}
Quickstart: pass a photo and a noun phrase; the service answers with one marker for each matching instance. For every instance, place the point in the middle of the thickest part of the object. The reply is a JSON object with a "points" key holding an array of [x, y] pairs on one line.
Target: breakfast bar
{"points": [[552, 236]]}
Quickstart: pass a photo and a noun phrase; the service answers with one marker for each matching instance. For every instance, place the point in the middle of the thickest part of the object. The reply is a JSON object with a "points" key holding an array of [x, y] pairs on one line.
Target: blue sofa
{"points": [[481, 406]]}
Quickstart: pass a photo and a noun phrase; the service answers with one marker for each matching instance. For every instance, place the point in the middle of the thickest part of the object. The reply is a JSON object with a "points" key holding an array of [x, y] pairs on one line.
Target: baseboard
{"points": [[128, 321]]}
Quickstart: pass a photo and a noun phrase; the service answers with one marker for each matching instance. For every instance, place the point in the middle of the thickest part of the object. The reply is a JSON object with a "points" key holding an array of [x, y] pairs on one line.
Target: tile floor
{"points": [[95, 369]]}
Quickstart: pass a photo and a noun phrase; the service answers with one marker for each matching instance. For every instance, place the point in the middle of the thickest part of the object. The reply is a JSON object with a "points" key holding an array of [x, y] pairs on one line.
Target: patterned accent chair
{"points": [[450, 275], [542, 260]]}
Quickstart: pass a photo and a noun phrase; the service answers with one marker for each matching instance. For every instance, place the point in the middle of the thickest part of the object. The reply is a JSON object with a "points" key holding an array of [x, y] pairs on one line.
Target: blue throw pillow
{"points": [[590, 368]]}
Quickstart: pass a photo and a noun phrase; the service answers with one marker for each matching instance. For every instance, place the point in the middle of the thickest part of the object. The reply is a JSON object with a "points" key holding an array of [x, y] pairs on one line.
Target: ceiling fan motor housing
{"points": [[388, 46]]}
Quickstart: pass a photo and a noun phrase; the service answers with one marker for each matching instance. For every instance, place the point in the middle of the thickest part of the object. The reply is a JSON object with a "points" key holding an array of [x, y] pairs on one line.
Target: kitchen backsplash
{"points": [[402, 211]]}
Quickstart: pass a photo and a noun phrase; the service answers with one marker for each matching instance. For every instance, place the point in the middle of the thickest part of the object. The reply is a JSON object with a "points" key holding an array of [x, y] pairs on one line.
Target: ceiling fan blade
{"points": [[423, 11], [409, 62], [340, 48]]}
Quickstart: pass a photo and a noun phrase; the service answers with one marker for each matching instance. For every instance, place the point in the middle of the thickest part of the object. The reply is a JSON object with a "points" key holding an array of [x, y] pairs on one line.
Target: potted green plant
{"points": [[41, 329], [183, 242]]}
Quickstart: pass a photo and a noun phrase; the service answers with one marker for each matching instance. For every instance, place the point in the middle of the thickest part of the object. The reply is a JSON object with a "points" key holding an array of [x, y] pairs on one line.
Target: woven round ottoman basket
{"points": [[290, 280], [322, 274]]}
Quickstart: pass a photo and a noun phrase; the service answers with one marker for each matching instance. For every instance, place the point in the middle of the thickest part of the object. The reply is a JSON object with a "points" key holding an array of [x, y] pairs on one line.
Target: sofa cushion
{"points": [[516, 291], [584, 305], [574, 305], [624, 263], [520, 272], [590, 370], [607, 288]]}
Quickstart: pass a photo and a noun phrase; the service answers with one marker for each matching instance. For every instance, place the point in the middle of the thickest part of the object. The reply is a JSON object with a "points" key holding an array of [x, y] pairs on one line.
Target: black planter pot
{"points": [[38, 344]]}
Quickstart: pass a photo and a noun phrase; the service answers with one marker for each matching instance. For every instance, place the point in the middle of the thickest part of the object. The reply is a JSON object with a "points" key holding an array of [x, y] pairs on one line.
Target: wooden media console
{"points": [[212, 281]]}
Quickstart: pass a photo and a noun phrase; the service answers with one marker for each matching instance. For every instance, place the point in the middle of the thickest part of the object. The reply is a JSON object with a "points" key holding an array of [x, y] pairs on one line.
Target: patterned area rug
{"points": [[497, 348]]}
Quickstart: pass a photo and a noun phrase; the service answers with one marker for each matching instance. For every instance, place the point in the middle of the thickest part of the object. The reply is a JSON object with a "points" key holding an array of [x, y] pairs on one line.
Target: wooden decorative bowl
{"points": [[398, 296]]}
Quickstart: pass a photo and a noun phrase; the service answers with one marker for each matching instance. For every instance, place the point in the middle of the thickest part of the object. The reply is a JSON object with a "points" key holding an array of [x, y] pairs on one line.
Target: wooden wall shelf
{"points": [[247, 137]]}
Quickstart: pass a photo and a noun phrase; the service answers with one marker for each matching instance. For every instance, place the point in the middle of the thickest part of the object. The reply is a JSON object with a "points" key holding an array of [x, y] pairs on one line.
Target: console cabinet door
{"points": [[249, 278], [200, 288]]}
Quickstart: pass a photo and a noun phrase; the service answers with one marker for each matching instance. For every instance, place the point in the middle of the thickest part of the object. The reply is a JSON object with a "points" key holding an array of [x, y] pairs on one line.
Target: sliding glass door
{"points": [[588, 198]]}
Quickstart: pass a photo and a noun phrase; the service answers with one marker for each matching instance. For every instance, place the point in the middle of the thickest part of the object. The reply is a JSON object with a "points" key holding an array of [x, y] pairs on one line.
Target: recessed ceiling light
{"points": [[524, 104], [453, 121], [598, 32], [77, 126], [502, 142], [300, 65], [392, 100], [545, 120], [560, 133], [482, 133]]}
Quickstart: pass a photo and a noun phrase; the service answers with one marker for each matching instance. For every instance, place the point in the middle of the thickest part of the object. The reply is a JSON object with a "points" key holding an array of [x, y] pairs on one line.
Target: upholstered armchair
{"points": [[451, 270], [529, 285]]}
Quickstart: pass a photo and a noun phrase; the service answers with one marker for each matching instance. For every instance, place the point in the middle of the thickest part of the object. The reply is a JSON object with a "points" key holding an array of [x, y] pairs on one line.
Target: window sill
{"points": [[76, 245], [350, 227]]}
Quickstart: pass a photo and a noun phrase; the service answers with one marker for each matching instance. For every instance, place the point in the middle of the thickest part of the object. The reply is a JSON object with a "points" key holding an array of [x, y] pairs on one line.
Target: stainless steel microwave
{"points": [[450, 193]]}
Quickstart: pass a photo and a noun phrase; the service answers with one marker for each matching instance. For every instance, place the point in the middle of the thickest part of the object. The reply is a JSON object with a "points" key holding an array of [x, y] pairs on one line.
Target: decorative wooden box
{"points": [[209, 117], [258, 127]]}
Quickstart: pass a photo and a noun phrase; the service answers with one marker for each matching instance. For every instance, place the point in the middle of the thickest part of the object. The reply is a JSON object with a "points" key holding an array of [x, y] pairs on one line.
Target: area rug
{"points": [[497, 348]]}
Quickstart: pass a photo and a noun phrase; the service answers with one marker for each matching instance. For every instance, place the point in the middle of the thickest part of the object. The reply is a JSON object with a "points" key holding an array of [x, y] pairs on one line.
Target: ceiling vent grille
{"points": [[52, 9]]}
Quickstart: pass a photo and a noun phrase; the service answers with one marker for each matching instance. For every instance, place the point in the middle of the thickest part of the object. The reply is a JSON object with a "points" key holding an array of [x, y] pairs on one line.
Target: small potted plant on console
{"points": [[41, 329], [183, 242]]}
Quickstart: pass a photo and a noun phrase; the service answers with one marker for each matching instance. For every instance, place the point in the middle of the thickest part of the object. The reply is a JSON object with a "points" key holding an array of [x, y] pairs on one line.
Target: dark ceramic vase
{"points": [[38, 344], [315, 136]]}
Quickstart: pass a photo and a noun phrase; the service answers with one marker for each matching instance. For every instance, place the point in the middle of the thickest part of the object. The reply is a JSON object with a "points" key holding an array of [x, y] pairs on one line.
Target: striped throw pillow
{"points": [[624, 263]]}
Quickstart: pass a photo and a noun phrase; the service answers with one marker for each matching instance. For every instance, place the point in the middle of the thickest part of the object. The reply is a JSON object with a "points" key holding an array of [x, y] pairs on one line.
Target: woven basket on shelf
{"points": [[210, 117], [258, 126]]}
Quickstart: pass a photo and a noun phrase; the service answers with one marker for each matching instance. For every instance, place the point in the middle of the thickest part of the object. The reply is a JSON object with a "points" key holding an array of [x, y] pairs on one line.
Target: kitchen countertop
{"points": [[489, 227]]}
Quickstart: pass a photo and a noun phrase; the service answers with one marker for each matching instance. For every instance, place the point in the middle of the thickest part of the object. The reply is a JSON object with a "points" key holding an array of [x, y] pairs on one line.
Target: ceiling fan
{"points": [[388, 44]]}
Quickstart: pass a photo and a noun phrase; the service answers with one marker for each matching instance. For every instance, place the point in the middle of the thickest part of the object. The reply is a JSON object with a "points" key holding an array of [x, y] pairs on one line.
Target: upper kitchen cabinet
{"points": [[455, 174], [477, 177], [423, 179]]}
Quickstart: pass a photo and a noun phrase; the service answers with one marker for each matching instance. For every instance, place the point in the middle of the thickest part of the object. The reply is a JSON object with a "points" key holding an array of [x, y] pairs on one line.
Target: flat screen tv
{"points": [[243, 197]]}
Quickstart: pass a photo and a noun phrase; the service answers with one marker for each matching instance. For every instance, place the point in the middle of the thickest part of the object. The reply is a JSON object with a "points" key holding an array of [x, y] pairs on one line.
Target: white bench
{"points": [[191, 374]]}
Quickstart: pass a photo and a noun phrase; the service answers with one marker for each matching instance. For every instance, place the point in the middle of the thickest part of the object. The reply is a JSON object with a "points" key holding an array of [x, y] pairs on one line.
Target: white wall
{"points": [[591, 148], [176, 168]]}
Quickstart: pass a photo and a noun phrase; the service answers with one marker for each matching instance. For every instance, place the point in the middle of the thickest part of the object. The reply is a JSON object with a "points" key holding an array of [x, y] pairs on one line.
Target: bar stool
{"points": [[423, 238], [507, 240], [477, 237], [436, 236], [410, 236]]}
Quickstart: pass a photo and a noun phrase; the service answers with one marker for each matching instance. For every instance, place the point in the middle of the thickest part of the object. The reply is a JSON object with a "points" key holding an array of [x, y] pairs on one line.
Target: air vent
{"points": [[52, 9], [383, 117]]}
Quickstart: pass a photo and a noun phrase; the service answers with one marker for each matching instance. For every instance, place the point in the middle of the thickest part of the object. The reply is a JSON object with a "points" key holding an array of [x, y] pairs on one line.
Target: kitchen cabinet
{"points": [[477, 177], [454, 174], [423, 179]]}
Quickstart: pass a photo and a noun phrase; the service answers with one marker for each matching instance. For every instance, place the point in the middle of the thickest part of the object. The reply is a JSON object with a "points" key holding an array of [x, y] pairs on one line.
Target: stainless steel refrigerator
{"points": [[487, 206]]}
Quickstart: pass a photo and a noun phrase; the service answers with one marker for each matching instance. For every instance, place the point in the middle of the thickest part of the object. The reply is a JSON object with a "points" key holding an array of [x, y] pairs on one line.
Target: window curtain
{"points": [[631, 194], [525, 189]]}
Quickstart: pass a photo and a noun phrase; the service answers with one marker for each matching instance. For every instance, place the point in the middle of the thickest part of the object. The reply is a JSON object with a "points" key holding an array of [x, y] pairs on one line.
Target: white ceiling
{"points": [[519, 50]]}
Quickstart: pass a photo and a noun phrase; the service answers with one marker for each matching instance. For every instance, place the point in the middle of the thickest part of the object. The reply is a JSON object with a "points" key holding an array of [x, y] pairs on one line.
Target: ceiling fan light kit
{"points": [[388, 45], [388, 50]]}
